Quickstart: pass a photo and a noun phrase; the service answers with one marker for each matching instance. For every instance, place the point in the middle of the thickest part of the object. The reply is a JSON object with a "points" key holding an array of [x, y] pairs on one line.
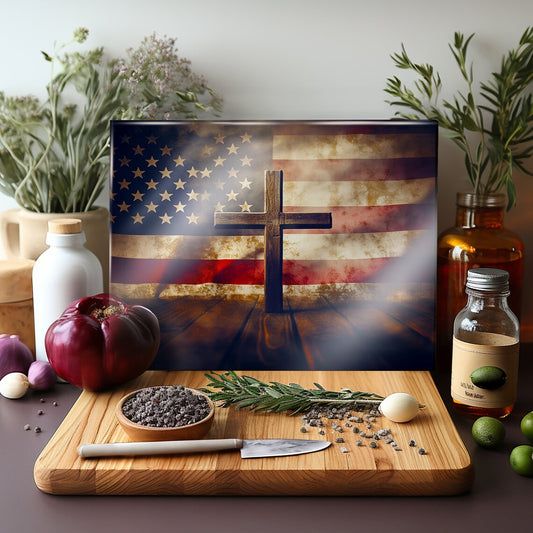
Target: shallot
{"points": [[15, 356], [41, 375]]}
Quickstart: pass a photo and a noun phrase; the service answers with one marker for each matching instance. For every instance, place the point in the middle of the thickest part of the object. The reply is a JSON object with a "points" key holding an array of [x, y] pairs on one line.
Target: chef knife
{"points": [[249, 448]]}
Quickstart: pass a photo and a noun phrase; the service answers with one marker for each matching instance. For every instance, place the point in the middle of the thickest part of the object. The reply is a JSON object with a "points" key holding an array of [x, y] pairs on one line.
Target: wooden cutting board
{"points": [[445, 469]]}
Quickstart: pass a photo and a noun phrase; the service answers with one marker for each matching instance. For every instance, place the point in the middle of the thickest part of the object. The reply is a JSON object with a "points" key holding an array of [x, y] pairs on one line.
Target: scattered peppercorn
{"points": [[40, 412], [303, 430], [37, 429], [314, 417], [27, 427], [344, 450]]}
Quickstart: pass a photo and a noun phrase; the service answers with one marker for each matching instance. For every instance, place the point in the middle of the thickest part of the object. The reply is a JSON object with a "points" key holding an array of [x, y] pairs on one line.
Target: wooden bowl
{"points": [[139, 432]]}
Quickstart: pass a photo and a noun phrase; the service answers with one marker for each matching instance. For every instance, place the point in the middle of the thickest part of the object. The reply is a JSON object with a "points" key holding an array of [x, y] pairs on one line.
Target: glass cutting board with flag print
{"points": [[278, 245]]}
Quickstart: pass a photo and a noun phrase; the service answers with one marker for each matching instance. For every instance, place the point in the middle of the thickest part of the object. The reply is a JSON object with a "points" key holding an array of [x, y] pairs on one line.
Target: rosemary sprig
{"points": [[252, 393], [494, 134]]}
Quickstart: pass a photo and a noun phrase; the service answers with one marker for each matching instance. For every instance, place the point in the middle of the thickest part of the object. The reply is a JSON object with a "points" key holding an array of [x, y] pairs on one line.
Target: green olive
{"points": [[488, 377]]}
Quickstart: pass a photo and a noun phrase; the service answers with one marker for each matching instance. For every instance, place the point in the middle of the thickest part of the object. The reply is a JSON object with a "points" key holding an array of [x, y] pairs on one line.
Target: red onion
{"points": [[15, 356], [41, 375]]}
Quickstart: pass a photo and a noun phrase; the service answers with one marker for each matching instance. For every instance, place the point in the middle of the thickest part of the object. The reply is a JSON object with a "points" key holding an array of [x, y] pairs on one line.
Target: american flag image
{"points": [[355, 293]]}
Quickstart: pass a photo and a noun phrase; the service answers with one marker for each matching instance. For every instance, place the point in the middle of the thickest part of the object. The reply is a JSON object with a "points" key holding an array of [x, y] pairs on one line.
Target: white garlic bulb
{"points": [[399, 407], [14, 385]]}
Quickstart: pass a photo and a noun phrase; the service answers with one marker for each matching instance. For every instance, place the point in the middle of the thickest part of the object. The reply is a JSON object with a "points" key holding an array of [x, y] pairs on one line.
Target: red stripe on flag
{"points": [[334, 271], [249, 272]]}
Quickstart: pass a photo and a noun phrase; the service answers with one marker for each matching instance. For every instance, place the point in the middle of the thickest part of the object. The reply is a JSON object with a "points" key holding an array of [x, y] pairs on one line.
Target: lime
{"points": [[527, 426], [488, 432], [521, 460]]}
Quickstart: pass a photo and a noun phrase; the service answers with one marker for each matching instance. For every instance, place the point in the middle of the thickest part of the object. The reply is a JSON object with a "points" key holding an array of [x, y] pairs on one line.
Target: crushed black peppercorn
{"points": [[166, 406]]}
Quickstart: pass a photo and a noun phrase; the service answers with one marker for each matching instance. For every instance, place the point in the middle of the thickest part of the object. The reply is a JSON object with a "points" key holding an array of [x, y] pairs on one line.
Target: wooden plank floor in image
{"points": [[236, 333]]}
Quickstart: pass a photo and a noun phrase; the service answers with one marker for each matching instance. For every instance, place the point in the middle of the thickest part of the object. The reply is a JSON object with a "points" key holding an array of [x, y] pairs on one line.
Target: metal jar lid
{"points": [[487, 279]]}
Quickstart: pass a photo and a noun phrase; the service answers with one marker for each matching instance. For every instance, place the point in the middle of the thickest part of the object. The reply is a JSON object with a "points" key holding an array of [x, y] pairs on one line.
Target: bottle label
{"points": [[485, 370]]}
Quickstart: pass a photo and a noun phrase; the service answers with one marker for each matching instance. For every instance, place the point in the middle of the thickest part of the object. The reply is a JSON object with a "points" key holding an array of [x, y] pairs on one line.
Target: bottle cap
{"points": [[64, 226], [487, 279]]}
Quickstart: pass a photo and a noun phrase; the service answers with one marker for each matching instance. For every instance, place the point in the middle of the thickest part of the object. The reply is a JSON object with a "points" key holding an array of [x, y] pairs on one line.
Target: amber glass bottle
{"points": [[478, 239]]}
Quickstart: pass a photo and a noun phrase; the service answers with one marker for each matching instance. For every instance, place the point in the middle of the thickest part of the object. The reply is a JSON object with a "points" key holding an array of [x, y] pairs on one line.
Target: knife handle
{"points": [[114, 449]]}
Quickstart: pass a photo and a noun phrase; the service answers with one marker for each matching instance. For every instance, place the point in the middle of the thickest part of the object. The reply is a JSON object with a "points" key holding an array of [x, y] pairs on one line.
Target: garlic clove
{"points": [[14, 385], [399, 407]]}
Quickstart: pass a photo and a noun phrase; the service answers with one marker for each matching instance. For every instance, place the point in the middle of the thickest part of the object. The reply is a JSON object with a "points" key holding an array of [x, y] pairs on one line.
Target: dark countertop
{"points": [[498, 498]]}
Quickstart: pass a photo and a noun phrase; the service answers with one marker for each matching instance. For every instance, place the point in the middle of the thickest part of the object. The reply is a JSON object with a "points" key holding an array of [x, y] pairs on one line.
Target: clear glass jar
{"points": [[485, 347]]}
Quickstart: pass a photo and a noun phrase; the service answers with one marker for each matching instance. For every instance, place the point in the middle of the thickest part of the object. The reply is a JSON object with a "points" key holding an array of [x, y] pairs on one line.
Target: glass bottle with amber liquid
{"points": [[485, 347], [478, 239]]}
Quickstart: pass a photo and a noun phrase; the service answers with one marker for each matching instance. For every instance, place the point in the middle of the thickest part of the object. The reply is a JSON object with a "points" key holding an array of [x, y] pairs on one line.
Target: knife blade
{"points": [[249, 448]]}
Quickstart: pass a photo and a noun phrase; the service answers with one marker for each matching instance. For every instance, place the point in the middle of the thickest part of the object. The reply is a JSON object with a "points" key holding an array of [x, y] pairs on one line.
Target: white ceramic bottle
{"points": [[63, 273]]}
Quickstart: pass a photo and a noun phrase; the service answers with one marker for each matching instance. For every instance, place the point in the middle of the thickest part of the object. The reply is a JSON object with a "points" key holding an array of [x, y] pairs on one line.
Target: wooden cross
{"points": [[273, 220]]}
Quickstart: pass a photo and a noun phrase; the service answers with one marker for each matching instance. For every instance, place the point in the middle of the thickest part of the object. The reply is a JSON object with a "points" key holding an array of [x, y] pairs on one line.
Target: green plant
{"points": [[54, 155], [495, 135]]}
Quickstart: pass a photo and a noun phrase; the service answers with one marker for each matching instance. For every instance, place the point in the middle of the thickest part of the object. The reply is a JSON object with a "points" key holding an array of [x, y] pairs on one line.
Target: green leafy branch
{"points": [[54, 155], [252, 393], [53, 158], [495, 135]]}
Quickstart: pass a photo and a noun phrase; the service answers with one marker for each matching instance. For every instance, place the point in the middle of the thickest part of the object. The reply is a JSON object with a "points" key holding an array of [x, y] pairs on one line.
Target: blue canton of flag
{"points": [[172, 185]]}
